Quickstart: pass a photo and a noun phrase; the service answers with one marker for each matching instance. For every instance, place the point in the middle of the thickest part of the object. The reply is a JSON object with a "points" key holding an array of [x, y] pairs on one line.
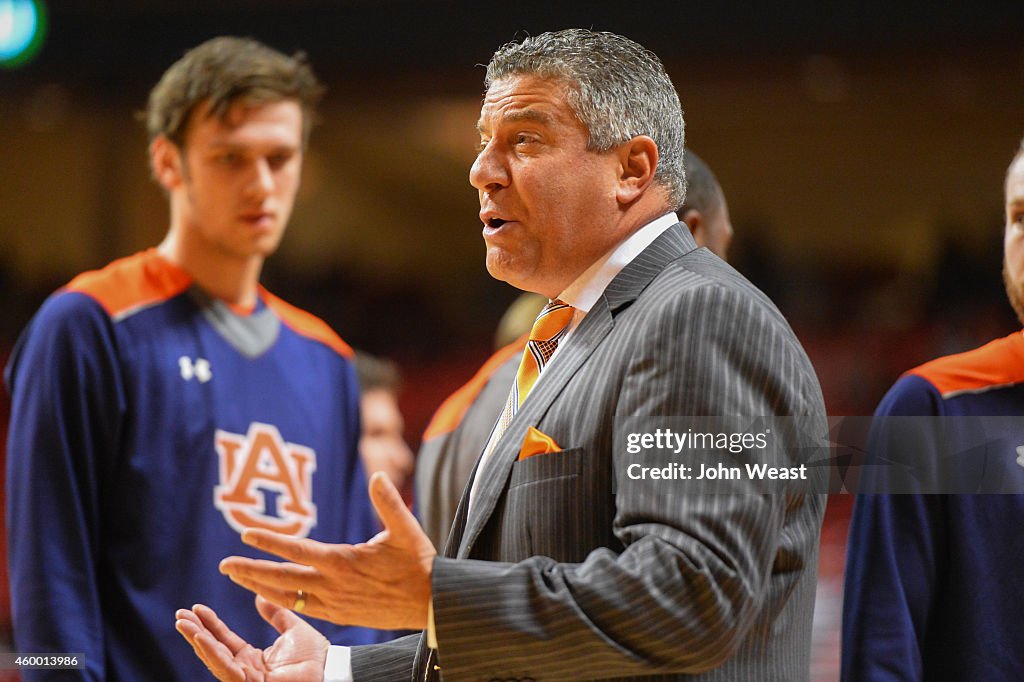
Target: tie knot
{"points": [[551, 321]]}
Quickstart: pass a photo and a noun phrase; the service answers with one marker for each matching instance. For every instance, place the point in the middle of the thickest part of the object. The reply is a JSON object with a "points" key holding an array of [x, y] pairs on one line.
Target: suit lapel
{"points": [[627, 285], [594, 327]]}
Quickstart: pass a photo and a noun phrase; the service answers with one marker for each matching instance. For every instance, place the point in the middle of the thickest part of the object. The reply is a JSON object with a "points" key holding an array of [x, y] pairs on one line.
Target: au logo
{"points": [[253, 468]]}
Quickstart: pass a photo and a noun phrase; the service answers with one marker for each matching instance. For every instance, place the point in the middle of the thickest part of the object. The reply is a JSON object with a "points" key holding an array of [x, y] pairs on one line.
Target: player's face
{"points": [[239, 177], [547, 203], [1013, 238], [381, 445]]}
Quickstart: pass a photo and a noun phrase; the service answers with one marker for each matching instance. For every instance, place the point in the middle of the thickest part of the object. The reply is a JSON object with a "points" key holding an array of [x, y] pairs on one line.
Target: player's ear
{"points": [[165, 160], [638, 159]]}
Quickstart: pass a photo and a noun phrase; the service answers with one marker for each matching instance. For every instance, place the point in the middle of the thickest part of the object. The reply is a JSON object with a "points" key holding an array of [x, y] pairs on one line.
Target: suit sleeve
{"points": [[895, 546], [690, 576], [67, 410]]}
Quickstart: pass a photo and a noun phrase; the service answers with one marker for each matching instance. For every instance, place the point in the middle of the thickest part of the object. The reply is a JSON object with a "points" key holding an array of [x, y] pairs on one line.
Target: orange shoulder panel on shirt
{"points": [[307, 324], [132, 282], [997, 363], [449, 415]]}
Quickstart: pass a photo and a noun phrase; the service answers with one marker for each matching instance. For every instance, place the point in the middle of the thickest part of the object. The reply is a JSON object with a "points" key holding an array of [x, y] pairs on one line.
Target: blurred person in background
{"points": [[167, 402], [382, 443], [705, 210], [932, 590]]}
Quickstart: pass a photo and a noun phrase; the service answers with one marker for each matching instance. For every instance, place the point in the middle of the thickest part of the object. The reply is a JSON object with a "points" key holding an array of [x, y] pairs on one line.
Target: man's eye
{"points": [[278, 161], [483, 145], [230, 158], [523, 138]]}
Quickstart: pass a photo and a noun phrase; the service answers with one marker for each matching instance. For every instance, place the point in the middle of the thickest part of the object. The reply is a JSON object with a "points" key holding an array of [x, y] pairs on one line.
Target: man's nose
{"points": [[489, 171], [262, 181]]}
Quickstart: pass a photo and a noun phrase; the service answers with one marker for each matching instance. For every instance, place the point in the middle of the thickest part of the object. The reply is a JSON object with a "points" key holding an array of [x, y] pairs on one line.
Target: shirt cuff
{"points": [[338, 667], [431, 628]]}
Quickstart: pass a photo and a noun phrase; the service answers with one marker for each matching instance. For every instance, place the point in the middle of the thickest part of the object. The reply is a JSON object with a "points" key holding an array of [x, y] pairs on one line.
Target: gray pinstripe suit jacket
{"points": [[554, 577]]}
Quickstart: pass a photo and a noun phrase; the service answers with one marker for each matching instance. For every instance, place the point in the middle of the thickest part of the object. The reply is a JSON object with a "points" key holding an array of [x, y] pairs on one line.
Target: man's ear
{"points": [[166, 161], [638, 159]]}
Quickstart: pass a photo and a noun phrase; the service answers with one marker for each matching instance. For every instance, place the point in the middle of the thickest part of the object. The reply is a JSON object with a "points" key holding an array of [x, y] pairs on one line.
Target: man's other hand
{"points": [[298, 655]]}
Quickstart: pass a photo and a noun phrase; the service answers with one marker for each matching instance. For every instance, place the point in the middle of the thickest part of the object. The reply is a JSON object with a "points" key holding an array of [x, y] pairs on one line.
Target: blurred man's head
{"points": [[382, 446], [1013, 237], [221, 73], [705, 210], [228, 124]]}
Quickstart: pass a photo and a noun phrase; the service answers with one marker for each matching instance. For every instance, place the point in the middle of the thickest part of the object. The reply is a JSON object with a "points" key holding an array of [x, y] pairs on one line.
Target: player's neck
{"points": [[228, 278]]}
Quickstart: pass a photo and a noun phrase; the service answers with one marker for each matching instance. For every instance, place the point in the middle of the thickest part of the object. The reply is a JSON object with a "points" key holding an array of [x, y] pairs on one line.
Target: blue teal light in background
{"points": [[22, 29]]}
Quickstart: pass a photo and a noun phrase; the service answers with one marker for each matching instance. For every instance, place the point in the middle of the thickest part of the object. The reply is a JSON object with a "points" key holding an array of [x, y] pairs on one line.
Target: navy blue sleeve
{"points": [[895, 545], [67, 407]]}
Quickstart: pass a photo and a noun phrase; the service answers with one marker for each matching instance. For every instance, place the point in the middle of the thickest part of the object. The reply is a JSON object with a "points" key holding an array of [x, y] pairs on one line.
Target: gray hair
{"points": [[617, 88]]}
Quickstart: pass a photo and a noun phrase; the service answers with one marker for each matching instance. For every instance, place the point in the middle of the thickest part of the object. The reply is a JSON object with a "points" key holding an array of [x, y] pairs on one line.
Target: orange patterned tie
{"points": [[549, 328]]}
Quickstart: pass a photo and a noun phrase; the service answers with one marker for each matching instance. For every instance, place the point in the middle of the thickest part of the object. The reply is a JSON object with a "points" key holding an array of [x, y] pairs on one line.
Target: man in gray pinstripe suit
{"points": [[452, 440], [550, 571]]}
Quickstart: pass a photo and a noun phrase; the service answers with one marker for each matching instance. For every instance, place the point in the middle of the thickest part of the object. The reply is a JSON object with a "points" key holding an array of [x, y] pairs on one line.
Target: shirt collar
{"points": [[583, 293]]}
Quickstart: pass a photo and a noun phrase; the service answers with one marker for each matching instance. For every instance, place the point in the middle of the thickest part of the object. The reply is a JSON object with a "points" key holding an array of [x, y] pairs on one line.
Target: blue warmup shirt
{"points": [[934, 583], [150, 425]]}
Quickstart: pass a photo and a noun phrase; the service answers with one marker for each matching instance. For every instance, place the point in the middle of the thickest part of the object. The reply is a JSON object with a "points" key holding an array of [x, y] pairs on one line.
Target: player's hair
{"points": [[223, 71], [617, 88], [703, 193]]}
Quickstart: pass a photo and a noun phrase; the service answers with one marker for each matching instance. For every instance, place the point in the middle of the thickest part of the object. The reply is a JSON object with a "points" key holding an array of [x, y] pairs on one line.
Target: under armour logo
{"points": [[200, 369], [1020, 455]]}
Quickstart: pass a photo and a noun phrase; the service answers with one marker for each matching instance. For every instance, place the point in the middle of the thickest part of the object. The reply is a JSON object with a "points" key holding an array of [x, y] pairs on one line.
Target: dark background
{"points": [[861, 146]]}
